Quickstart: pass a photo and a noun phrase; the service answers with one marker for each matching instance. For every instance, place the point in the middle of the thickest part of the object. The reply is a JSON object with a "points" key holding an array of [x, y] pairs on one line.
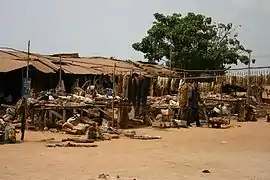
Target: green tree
{"points": [[192, 42]]}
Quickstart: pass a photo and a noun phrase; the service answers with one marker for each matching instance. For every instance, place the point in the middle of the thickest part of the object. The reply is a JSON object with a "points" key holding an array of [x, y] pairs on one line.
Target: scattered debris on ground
{"points": [[133, 135], [69, 144], [206, 171], [109, 177]]}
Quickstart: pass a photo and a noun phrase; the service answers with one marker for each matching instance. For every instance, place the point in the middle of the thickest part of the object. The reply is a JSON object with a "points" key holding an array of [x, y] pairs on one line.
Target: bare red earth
{"points": [[235, 153]]}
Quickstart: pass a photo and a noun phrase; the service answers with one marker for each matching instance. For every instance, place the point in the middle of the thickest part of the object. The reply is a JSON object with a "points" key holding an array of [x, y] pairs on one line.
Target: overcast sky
{"points": [[109, 27]]}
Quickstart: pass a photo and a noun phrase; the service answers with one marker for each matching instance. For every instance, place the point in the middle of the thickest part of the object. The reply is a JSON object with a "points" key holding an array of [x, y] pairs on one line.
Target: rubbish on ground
{"points": [[206, 171], [132, 135], [78, 140], [71, 145]]}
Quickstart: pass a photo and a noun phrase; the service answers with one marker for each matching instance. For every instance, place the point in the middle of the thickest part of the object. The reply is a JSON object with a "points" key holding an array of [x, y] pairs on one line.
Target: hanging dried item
{"points": [[183, 94], [119, 90], [125, 86]]}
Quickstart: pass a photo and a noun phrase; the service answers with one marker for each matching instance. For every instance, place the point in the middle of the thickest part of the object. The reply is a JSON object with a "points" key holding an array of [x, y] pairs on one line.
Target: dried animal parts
{"points": [[7, 133], [183, 94]]}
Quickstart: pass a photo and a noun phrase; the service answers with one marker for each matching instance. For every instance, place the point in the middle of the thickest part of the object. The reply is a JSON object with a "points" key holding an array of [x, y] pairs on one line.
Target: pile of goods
{"points": [[7, 133]]}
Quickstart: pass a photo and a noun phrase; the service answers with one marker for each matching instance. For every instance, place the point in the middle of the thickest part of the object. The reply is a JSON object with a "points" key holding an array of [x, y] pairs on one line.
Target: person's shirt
{"points": [[193, 98]]}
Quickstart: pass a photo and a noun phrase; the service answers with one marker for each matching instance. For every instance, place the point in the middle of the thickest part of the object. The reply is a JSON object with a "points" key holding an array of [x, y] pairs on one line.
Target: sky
{"points": [[109, 27]]}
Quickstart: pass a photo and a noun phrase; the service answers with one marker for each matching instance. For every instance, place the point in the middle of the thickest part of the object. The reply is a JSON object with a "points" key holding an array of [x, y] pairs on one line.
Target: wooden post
{"points": [[32, 116], [221, 94], [60, 73], [248, 79], [101, 115], [119, 114], [113, 93], [41, 119], [81, 112], [45, 120], [64, 115], [123, 117], [28, 59], [50, 116], [23, 118]]}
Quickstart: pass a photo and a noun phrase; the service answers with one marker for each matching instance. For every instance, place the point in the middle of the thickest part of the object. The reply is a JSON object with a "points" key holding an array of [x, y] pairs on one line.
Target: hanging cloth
{"points": [[176, 84], [119, 90], [172, 84], [169, 82], [155, 90], [134, 89], [144, 90], [165, 86], [139, 87], [125, 86], [159, 82], [129, 91], [151, 86]]}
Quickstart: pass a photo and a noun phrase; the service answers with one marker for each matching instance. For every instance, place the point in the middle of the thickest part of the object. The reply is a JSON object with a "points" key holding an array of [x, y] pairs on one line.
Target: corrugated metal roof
{"points": [[74, 69], [15, 60], [8, 55], [99, 65], [154, 69], [47, 63], [7, 65], [42, 67], [85, 65], [106, 62]]}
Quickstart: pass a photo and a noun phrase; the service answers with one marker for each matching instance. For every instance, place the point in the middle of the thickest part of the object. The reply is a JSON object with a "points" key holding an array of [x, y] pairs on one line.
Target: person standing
{"points": [[193, 105]]}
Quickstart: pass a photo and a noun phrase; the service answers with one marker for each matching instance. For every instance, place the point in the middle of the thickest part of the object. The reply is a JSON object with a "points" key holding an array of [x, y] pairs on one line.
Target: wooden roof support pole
{"points": [[113, 93]]}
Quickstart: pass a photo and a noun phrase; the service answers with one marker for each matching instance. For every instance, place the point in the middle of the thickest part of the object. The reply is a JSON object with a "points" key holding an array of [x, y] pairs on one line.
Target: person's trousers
{"points": [[193, 116]]}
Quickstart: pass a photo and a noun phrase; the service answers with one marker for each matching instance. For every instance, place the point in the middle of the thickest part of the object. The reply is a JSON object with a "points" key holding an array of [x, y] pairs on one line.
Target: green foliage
{"points": [[192, 42]]}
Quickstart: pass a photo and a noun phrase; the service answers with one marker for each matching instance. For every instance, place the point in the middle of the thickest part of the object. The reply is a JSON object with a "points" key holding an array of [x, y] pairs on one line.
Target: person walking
{"points": [[193, 105]]}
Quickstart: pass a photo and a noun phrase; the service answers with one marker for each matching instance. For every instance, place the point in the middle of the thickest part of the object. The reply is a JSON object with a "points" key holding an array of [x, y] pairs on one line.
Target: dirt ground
{"points": [[235, 153]]}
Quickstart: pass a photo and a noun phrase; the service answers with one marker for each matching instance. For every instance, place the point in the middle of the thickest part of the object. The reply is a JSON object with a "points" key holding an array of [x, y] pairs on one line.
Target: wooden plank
{"points": [[8, 106], [23, 118], [104, 112], [85, 110], [64, 115], [78, 140], [56, 107], [165, 107], [40, 120], [225, 100], [45, 119], [56, 114], [81, 112], [50, 115]]}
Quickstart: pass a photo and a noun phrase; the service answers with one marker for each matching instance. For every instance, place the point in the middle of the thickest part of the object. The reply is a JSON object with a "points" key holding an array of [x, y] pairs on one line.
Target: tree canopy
{"points": [[193, 41]]}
